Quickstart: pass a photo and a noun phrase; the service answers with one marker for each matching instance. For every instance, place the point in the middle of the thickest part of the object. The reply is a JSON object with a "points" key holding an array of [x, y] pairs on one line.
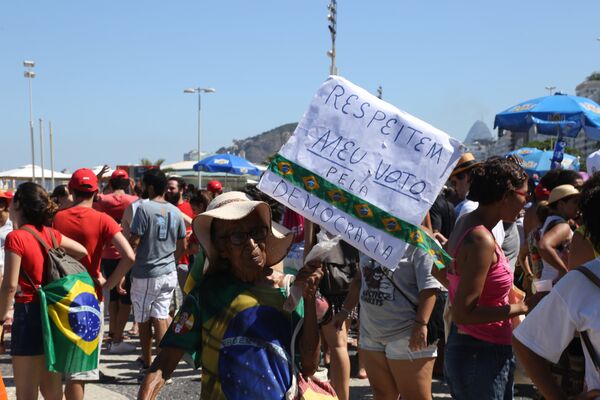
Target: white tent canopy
{"points": [[180, 166], [26, 172]]}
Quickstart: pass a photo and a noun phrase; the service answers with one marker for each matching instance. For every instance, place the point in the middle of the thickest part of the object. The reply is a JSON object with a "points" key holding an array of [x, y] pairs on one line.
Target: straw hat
{"points": [[561, 192], [233, 206], [466, 162]]}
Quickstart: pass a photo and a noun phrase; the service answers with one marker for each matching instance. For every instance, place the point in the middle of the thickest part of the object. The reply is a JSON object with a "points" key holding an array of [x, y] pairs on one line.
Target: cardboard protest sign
{"points": [[365, 170]]}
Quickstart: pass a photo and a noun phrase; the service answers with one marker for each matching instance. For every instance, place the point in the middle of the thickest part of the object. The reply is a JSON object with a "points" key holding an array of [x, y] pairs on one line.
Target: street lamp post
{"points": [[51, 154], [43, 180], [29, 74], [332, 17], [199, 90], [550, 89]]}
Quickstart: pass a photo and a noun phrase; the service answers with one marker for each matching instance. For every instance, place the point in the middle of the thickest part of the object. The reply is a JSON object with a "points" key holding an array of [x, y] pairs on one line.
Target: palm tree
{"points": [[147, 163]]}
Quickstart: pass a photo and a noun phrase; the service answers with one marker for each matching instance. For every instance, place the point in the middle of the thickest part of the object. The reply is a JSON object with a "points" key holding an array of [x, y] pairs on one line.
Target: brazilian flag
{"points": [[195, 272], [71, 323]]}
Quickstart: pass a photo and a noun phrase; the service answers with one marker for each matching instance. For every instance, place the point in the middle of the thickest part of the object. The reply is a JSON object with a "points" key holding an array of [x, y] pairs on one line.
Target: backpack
{"points": [[70, 313], [58, 264]]}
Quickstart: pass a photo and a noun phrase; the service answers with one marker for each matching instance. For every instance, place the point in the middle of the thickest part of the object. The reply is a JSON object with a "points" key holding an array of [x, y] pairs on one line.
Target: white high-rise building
{"points": [[589, 88]]}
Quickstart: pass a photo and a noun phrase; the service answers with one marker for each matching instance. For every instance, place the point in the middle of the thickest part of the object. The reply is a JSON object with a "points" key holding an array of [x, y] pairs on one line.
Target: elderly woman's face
{"points": [[243, 244]]}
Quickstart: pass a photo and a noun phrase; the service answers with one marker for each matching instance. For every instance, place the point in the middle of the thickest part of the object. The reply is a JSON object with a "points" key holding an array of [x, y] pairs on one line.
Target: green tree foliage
{"points": [[548, 144], [595, 76], [147, 162]]}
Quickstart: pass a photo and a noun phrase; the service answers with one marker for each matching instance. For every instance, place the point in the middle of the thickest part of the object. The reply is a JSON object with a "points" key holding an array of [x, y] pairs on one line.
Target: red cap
{"points": [[84, 180], [6, 195], [214, 186], [119, 174]]}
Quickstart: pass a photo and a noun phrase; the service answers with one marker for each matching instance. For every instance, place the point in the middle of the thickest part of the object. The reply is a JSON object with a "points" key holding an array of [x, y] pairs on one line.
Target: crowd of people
{"points": [[218, 279]]}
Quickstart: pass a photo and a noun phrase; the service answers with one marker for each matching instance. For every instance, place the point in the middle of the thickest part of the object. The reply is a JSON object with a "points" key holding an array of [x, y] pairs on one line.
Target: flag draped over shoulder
{"points": [[71, 322], [195, 273]]}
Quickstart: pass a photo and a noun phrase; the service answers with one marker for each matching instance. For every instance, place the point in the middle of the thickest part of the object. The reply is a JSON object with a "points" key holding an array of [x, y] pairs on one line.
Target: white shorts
{"points": [[93, 375], [396, 349], [151, 297]]}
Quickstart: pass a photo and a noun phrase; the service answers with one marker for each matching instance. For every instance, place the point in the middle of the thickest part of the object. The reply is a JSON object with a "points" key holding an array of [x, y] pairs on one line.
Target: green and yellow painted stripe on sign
{"points": [[357, 207]]}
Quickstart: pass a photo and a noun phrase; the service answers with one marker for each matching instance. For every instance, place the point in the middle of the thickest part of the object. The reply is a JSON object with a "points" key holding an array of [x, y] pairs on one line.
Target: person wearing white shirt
{"points": [[571, 307]]}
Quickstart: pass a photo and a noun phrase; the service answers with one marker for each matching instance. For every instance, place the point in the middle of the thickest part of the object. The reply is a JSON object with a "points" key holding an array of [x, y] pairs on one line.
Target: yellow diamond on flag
{"points": [[310, 183], [337, 196], [363, 210], [66, 315], [391, 224], [416, 237], [285, 168]]}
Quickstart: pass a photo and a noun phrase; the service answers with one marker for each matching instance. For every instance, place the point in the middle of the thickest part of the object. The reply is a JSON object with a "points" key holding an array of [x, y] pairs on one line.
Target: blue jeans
{"points": [[478, 370]]}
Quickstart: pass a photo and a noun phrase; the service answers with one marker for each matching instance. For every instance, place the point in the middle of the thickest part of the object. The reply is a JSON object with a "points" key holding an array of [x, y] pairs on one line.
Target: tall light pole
{"points": [[332, 18], [43, 180], [51, 154], [29, 74], [199, 90], [550, 89], [380, 92]]}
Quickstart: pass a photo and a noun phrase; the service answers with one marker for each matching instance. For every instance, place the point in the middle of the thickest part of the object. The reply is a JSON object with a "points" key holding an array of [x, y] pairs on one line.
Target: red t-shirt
{"points": [[92, 229], [33, 258], [186, 208], [113, 205]]}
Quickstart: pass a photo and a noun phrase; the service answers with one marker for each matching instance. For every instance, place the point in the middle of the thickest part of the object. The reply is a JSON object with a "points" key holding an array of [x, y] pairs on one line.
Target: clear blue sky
{"points": [[111, 74]]}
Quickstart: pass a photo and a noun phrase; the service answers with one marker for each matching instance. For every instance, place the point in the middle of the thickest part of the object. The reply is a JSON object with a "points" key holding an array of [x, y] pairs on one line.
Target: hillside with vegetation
{"points": [[259, 148]]}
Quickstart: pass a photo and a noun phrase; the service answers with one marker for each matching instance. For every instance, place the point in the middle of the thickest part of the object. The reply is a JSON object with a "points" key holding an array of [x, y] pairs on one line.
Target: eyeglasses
{"points": [[522, 193], [239, 238]]}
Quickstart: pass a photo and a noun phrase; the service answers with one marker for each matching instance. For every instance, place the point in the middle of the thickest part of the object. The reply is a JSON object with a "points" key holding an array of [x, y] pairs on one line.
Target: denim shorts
{"points": [[476, 369], [26, 334], [396, 349]]}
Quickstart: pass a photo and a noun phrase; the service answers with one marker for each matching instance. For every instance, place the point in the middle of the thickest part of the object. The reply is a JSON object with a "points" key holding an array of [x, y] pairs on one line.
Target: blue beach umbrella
{"points": [[558, 115], [540, 161], [227, 163]]}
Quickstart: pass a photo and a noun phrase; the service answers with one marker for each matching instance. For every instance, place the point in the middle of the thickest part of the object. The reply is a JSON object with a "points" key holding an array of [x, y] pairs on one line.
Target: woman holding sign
{"points": [[479, 362]]}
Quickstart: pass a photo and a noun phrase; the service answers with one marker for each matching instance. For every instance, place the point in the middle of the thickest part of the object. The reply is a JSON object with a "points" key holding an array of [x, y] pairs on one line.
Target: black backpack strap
{"points": [[589, 274], [33, 285], [584, 335], [391, 279], [54, 242], [43, 243], [39, 238]]}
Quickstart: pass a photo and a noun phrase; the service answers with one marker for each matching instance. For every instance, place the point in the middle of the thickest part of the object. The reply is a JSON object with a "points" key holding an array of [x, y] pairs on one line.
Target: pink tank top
{"points": [[496, 288]]}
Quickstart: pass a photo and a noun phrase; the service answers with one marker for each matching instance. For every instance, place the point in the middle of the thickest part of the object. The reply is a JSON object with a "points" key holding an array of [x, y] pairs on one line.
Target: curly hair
{"points": [[35, 204], [493, 178], [589, 204], [558, 177]]}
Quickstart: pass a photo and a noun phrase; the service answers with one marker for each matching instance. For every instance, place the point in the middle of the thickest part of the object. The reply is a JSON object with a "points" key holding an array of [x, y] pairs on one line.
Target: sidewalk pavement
{"points": [[186, 382]]}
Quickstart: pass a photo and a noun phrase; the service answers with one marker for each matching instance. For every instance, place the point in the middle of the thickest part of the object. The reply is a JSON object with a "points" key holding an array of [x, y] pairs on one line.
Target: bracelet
{"points": [[420, 322]]}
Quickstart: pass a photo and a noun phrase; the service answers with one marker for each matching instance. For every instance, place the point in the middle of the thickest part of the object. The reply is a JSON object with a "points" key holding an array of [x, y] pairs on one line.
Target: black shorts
{"points": [[26, 334], [108, 267]]}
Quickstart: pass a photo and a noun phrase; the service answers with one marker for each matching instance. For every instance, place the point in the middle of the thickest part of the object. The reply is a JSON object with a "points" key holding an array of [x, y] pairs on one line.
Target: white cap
{"points": [[593, 162]]}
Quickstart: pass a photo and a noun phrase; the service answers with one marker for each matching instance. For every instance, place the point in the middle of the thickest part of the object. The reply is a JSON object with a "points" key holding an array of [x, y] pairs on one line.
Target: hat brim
{"points": [[278, 241], [464, 167], [565, 197]]}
